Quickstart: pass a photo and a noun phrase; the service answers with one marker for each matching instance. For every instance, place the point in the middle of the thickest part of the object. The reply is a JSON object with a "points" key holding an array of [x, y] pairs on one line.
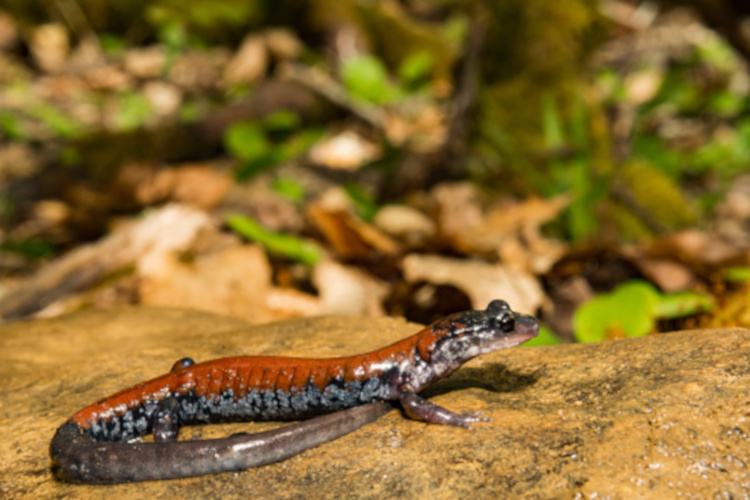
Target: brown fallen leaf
{"points": [[668, 275], [697, 249], [249, 63], [292, 303], [8, 31], [203, 185], [258, 200], [145, 62], [481, 281], [408, 224], [165, 98], [348, 235], [197, 71], [459, 208], [50, 45], [144, 243], [732, 219], [508, 229], [283, 43], [234, 281], [348, 290], [344, 151], [506, 219]]}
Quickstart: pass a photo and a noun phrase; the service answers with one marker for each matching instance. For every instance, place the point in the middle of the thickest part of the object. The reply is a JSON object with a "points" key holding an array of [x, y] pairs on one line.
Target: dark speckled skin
{"points": [[342, 393]]}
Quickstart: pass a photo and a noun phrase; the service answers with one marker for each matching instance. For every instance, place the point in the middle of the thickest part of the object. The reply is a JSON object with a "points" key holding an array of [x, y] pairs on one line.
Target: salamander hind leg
{"points": [[420, 409], [166, 423]]}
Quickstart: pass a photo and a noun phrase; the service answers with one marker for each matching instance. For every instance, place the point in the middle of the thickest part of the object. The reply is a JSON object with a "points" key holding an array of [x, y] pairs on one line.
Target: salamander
{"points": [[338, 395]]}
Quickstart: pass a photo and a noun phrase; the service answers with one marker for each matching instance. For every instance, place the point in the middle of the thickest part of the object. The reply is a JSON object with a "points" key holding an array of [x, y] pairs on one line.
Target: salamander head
{"points": [[469, 334], [499, 327], [450, 342]]}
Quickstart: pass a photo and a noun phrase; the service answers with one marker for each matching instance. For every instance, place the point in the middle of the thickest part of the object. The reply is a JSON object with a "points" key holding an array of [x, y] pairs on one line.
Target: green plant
{"points": [[571, 167], [545, 337], [132, 112], [263, 144], [364, 204], [11, 126], [289, 189], [281, 244], [366, 78], [59, 123], [631, 310]]}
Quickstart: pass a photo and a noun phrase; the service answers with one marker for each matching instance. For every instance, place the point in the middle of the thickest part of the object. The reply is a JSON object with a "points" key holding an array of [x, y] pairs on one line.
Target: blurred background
{"points": [[586, 160]]}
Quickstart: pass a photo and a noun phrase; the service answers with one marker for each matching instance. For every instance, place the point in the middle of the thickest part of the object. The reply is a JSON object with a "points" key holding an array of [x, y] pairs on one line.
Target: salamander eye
{"points": [[506, 322], [497, 306]]}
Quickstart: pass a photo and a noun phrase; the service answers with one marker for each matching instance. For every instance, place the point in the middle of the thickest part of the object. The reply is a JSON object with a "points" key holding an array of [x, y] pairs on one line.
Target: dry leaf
{"points": [[234, 281], [525, 217], [669, 276], [165, 99], [481, 281], [292, 303], [345, 151], [283, 43], [348, 290], [348, 235], [696, 248], [8, 32], [459, 208], [146, 62], [405, 223], [197, 71], [249, 63], [49, 45], [170, 230]]}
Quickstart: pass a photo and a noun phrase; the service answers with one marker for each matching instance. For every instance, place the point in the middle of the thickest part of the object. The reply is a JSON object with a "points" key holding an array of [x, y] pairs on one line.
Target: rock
{"points": [[658, 417]]}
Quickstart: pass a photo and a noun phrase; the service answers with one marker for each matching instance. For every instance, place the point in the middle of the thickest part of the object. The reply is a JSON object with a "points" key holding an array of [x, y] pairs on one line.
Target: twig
{"points": [[76, 19], [323, 85], [465, 97]]}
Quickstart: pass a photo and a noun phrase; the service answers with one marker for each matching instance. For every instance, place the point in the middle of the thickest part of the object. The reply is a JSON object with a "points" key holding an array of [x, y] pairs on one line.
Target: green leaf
{"points": [[626, 312], [290, 189], [364, 204], [60, 124], [189, 112], [281, 244], [31, 248], [455, 29], [553, 128], [249, 169], [173, 35], [416, 68], [738, 274], [134, 110], [632, 309], [677, 305], [545, 337], [219, 13], [246, 141], [283, 120], [112, 43], [366, 77], [11, 127], [300, 142]]}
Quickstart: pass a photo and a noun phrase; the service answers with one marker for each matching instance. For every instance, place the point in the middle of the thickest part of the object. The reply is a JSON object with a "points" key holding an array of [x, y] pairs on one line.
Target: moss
{"points": [[657, 194]]}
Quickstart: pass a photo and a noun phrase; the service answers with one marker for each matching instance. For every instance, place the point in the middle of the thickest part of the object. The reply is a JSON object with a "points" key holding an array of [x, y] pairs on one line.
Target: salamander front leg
{"points": [[420, 409], [166, 420]]}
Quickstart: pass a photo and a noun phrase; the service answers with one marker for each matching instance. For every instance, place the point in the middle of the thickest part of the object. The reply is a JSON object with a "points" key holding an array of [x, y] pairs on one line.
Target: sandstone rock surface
{"points": [[656, 417]]}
